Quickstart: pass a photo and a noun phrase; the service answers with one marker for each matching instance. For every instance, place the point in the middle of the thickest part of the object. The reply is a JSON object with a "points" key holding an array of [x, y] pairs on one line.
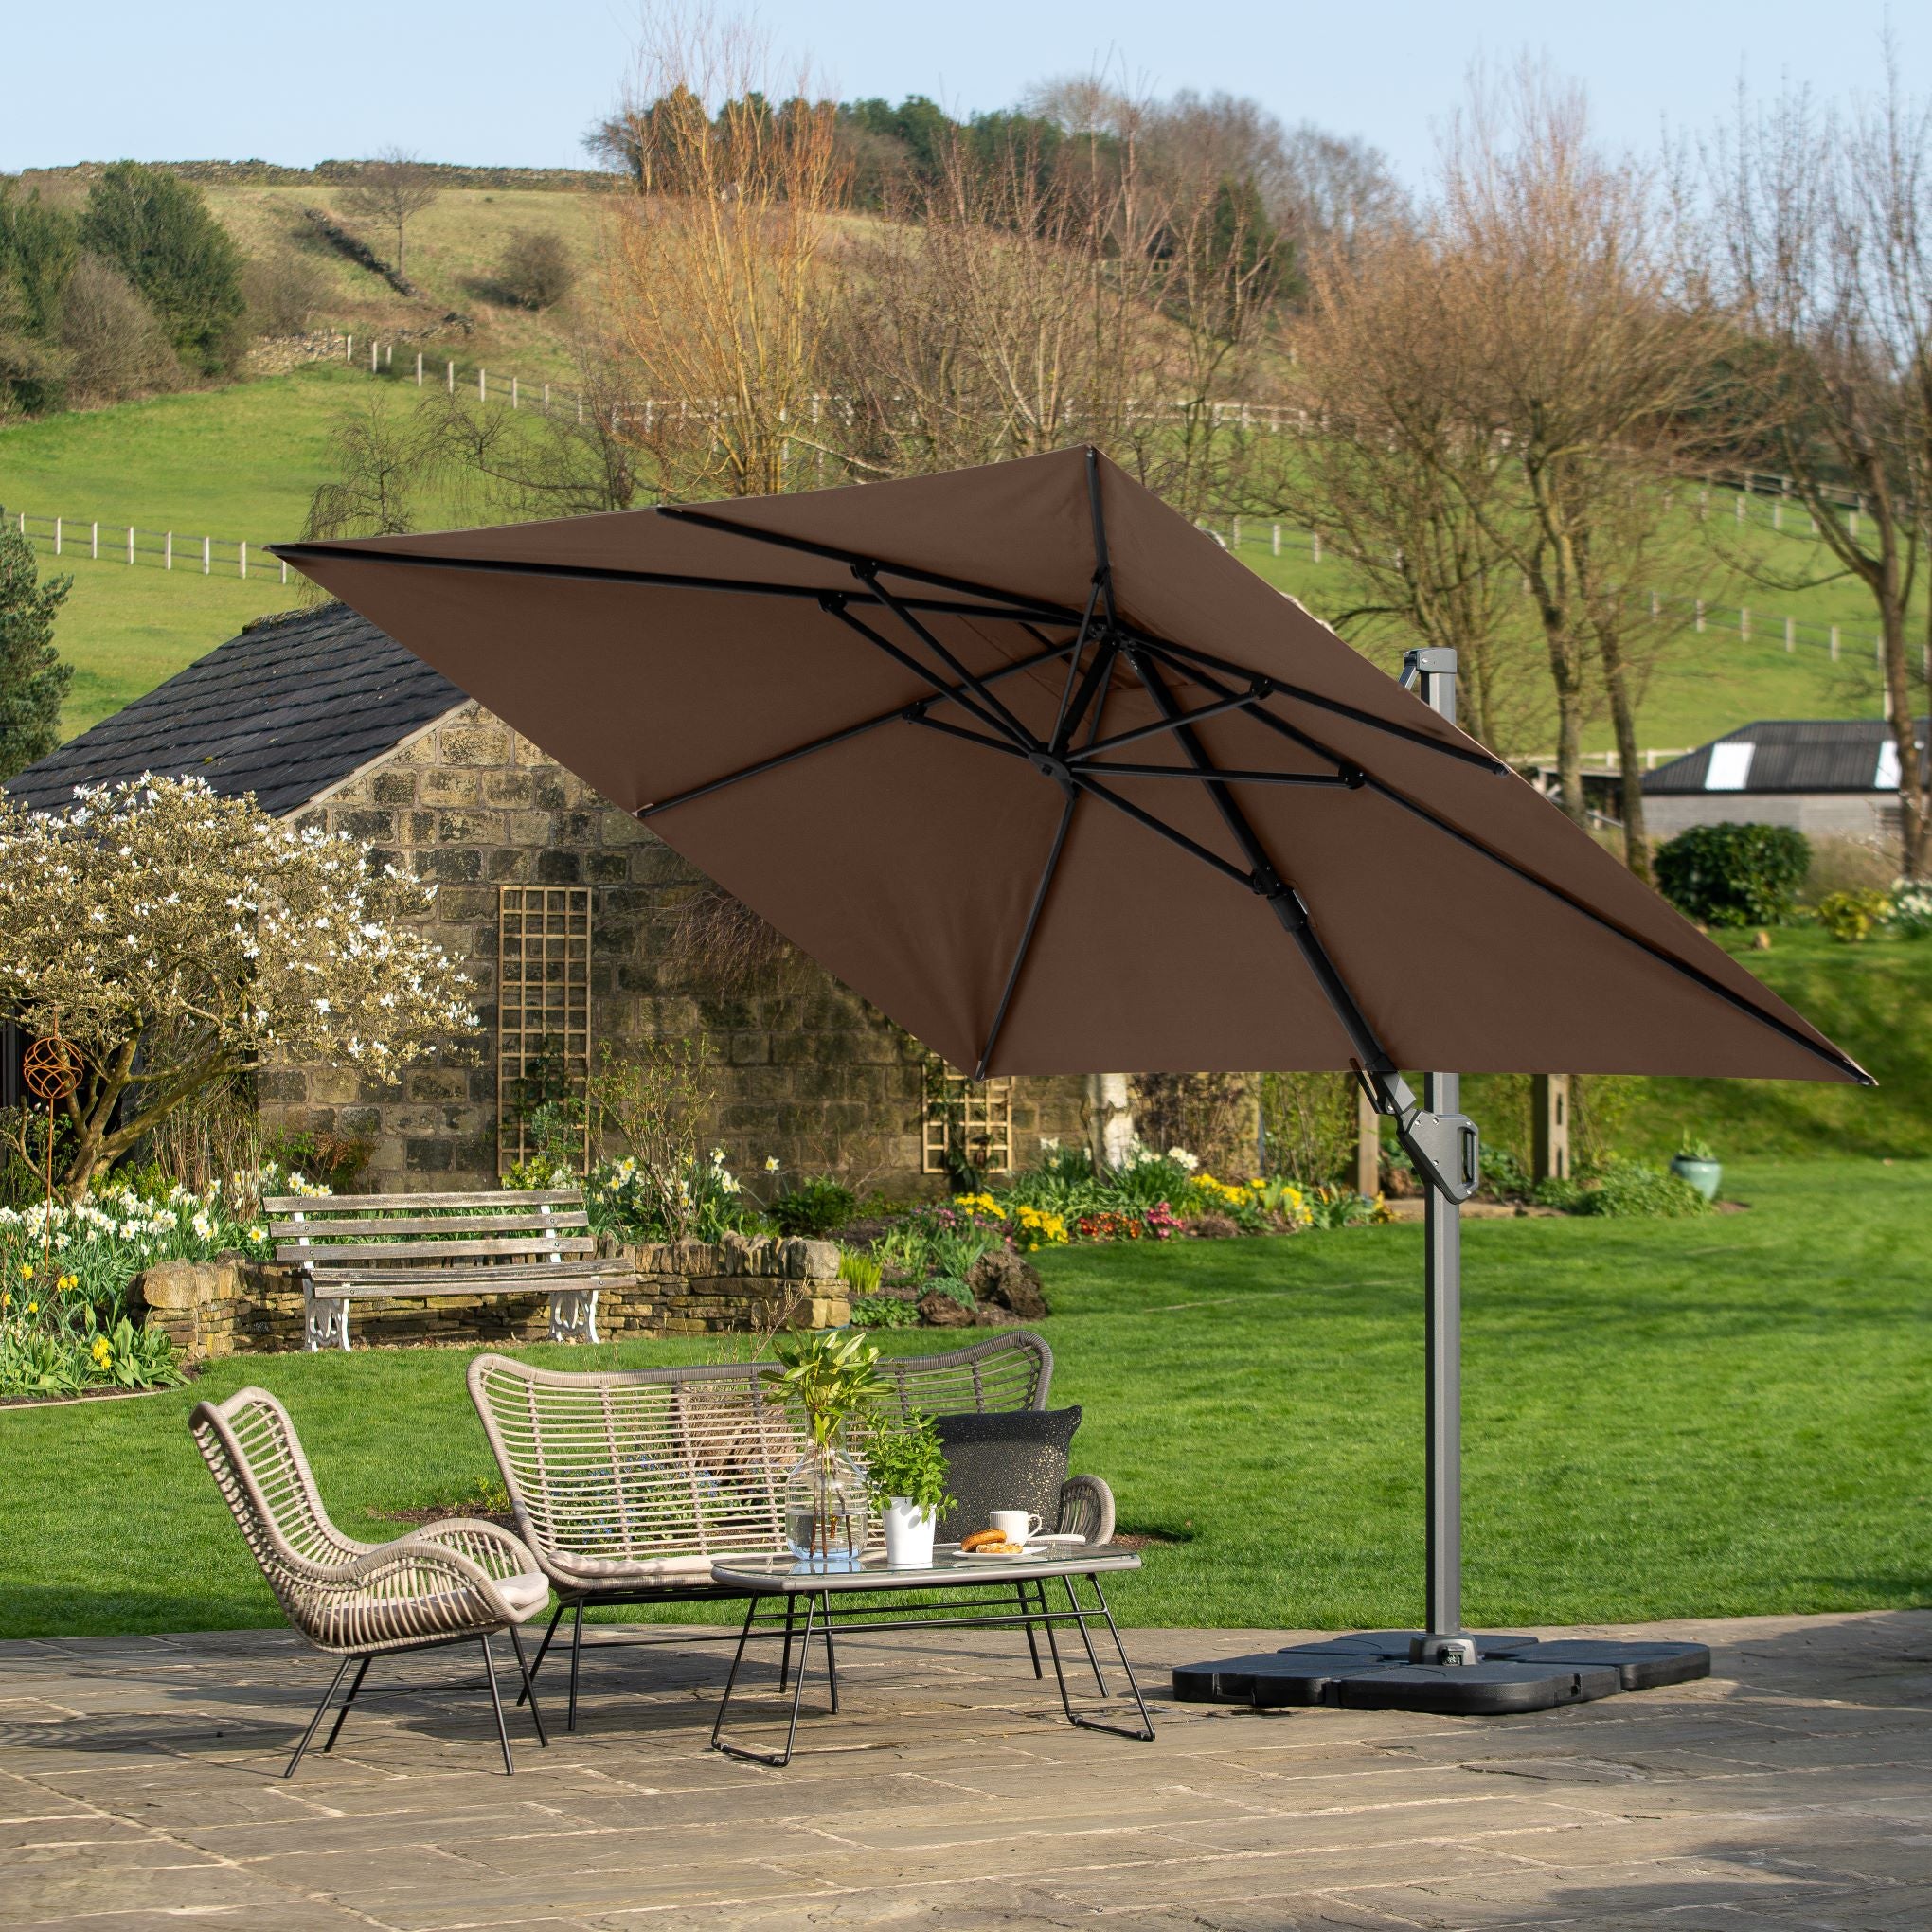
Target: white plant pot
{"points": [[908, 1535]]}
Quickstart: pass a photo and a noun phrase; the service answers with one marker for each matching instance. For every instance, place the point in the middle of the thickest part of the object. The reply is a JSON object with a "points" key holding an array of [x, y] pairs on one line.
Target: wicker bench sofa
{"points": [[627, 1484]]}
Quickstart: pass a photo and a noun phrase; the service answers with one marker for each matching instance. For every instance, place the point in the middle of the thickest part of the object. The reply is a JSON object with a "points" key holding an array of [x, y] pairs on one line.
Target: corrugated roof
{"points": [[1789, 755], [288, 709]]}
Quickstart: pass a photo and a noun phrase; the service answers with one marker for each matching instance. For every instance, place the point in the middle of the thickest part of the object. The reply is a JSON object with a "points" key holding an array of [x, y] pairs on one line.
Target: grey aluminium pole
{"points": [[1431, 674]]}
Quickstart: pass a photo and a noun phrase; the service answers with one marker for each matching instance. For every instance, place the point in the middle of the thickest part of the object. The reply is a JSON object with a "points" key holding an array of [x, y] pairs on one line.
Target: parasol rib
{"points": [[1025, 945]]}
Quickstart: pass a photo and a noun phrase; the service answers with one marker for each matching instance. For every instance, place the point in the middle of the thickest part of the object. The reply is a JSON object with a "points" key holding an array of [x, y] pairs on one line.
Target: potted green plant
{"points": [[905, 1476], [1695, 1163], [829, 1377]]}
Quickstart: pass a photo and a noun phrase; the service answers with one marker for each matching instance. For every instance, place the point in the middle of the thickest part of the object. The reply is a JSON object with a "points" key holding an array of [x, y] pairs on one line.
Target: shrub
{"points": [[1625, 1188], [116, 346], [283, 291], [33, 680], [814, 1207], [952, 1289], [884, 1310], [1850, 916], [331, 1160], [156, 229], [1734, 876], [537, 270]]}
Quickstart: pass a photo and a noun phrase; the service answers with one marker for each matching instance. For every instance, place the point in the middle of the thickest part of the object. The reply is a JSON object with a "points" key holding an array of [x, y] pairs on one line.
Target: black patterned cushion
{"points": [[1016, 1460]]}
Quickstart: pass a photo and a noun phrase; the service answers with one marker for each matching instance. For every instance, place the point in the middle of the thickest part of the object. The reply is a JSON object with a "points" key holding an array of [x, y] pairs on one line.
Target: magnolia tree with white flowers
{"points": [[177, 939]]}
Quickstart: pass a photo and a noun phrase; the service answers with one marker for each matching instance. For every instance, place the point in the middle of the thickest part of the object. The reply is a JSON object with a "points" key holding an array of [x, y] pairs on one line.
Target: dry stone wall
{"points": [[809, 1072]]}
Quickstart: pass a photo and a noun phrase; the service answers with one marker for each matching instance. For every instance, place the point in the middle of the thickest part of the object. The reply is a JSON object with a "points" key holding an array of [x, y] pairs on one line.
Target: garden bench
{"points": [[627, 1484], [353, 1247]]}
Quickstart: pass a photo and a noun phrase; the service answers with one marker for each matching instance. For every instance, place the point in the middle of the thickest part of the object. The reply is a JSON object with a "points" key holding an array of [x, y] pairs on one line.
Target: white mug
{"points": [[1014, 1524]]}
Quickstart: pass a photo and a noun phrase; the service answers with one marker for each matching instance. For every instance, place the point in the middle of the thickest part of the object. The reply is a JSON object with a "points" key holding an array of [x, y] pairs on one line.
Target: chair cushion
{"points": [[526, 1593], [1011, 1460]]}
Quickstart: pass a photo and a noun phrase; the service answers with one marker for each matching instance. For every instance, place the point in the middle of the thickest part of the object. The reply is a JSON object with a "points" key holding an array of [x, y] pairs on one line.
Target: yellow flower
{"points": [[33, 1308], [102, 1350], [27, 1271]]}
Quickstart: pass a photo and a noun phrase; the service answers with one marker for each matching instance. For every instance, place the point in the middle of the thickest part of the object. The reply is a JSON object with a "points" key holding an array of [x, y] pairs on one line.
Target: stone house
{"points": [[579, 929]]}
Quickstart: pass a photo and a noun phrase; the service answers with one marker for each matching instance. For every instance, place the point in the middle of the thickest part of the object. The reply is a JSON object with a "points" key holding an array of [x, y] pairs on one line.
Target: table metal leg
{"points": [[1020, 1591], [1093, 1658], [830, 1655], [785, 1661], [1145, 1734], [778, 1760]]}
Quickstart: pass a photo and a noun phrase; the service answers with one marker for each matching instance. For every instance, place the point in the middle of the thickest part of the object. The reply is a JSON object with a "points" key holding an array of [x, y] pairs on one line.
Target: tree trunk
{"points": [[1913, 798], [1630, 774]]}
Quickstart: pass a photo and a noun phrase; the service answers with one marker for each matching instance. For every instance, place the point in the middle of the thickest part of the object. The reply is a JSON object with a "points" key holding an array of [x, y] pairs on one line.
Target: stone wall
{"points": [[236, 1306], [809, 1072]]}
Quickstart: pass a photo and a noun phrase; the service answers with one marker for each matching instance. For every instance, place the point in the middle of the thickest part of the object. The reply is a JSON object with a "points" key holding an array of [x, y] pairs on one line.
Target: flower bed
{"points": [[65, 1326]]}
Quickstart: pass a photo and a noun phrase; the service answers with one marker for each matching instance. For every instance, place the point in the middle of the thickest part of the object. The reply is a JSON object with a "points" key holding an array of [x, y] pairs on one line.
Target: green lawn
{"points": [[1871, 998], [1717, 1416]]}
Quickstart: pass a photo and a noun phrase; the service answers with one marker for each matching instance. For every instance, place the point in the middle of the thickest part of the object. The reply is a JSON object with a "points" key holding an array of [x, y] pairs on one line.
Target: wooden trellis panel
{"points": [[967, 1120], [542, 1006]]}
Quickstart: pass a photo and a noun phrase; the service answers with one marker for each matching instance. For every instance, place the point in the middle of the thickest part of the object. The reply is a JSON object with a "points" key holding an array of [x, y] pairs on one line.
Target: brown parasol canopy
{"points": [[923, 727], [1044, 774]]}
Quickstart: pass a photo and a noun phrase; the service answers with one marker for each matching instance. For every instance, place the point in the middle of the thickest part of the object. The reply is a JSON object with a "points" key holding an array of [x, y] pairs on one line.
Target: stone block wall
{"points": [[808, 1072], [236, 1306]]}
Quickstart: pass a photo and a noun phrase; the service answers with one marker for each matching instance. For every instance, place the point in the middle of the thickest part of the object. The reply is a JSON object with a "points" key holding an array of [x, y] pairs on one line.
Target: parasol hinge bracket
{"points": [[1269, 885]]}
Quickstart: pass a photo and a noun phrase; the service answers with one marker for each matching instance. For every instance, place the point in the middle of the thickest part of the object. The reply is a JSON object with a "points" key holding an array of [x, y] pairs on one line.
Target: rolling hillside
{"points": [[242, 462]]}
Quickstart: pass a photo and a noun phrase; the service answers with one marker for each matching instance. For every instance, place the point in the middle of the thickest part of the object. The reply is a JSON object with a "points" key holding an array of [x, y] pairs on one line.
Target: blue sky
{"points": [[492, 81]]}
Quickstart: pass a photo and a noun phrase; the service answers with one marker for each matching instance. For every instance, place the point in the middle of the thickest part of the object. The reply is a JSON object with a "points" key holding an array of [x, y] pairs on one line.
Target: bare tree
{"points": [[393, 189], [1582, 359], [714, 268], [1825, 230], [1334, 191], [1399, 483]]}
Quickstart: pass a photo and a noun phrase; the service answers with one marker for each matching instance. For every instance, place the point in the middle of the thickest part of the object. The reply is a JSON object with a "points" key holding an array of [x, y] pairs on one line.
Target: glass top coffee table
{"points": [[980, 1592]]}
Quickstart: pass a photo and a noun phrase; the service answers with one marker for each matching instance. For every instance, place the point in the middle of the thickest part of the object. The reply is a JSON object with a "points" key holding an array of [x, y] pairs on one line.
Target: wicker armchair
{"points": [[456, 1582]]}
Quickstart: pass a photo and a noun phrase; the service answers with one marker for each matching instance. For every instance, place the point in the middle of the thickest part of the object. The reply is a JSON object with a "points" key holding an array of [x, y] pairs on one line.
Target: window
{"points": [[543, 1013], [1730, 766], [968, 1122]]}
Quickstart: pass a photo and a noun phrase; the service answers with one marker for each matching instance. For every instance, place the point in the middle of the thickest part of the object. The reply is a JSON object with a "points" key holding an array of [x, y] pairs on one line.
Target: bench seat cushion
{"points": [[669, 1572]]}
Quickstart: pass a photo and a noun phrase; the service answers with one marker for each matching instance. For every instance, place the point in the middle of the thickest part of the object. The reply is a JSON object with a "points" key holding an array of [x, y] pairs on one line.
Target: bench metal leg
{"points": [[325, 1320], [573, 1315]]}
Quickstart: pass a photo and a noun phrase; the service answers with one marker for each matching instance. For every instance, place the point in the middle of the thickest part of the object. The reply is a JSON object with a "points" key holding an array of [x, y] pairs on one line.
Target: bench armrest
{"points": [[1086, 1509]]}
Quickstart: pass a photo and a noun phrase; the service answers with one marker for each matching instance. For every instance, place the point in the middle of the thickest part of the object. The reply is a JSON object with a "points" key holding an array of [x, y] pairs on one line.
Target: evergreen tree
{"points": [[156, 229], [32, 678], [38, 247]]}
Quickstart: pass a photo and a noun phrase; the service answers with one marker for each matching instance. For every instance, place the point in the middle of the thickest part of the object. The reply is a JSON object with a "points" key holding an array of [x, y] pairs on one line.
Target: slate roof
{"points": [[1792, 755], [288, 709]]}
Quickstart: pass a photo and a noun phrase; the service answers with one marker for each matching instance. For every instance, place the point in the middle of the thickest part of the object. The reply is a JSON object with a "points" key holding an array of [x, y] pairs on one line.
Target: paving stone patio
{"points": [[139, 1785]]}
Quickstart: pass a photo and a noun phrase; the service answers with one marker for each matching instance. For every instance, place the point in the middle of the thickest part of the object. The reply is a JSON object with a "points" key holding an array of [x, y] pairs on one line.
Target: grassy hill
{"points": [[242, 462]]}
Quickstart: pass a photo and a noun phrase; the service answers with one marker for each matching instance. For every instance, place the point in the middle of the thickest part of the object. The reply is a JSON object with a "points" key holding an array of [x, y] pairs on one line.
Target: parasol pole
{"points": [[1431, 674]]}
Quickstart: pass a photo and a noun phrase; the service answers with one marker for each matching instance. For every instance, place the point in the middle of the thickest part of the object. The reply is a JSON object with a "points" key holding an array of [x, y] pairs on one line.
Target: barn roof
{"points": [[1789, 755], [292, 705]]}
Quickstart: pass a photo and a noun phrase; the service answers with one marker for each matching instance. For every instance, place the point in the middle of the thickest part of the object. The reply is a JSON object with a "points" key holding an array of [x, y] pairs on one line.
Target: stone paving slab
{"points": [[139, 1786]]}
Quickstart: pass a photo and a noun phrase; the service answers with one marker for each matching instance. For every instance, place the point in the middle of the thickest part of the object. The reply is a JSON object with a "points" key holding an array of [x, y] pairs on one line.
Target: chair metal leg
{"points": [[335, 1728], [544, 1648], [576, 1658], [1020, 1591], [315, 1721], [529, 1689], [497, 1705]]}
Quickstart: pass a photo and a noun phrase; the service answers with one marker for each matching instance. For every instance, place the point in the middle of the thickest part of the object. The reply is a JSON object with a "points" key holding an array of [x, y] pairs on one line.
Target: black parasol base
{"points": [[1370, 1671]]}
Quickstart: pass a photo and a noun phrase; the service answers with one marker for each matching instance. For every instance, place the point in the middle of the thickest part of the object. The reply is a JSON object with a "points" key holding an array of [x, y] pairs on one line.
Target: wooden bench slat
{"points": [[389, 1285], [320, 1261], [403, 1253], [500, 1197], [514, 1277], [445, 1223]]}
